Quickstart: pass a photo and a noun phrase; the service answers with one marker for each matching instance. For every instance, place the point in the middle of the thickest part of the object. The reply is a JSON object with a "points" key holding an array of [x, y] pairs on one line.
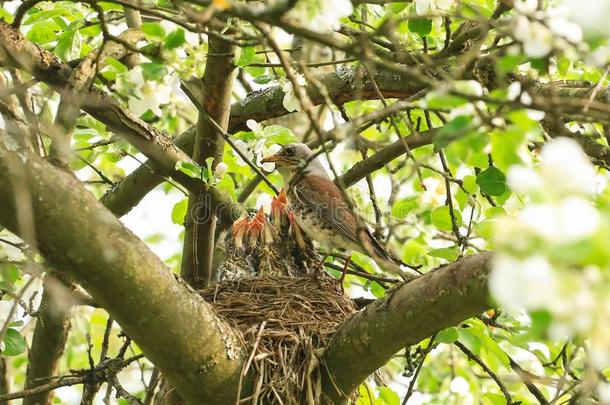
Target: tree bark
{"points": [[48, 342], [175, 328], [405, 316], [200, 225]]}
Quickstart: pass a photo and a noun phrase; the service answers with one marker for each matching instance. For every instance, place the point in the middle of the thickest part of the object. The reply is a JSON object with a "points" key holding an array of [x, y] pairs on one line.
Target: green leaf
{"points": [[117, 65], [227, 185], [190, 169], [377, 290], [401, 209], [448, 253], [476, 338], [153, 71], [470, 183], [9, 273], [14, 343], [175, 39], [387, 396], [442, 100], [509, 63], [208, 173], [246, 136], [41, 35], [441, 218], [397, 7], [492, 181], [420, 26], [263, 79], [278, 134], [245, 56], [179, 211], [68, 45], [450, 131], [153, 29], [540, 64], [44, 15], [448, 335]]}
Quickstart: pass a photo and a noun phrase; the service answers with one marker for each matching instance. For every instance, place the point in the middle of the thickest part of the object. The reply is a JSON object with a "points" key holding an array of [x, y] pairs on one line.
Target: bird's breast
{"points": [[318, 230]]}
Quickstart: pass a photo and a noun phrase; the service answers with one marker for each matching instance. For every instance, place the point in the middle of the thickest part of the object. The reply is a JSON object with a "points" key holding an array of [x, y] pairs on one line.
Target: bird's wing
{"points": [[323, 197]]}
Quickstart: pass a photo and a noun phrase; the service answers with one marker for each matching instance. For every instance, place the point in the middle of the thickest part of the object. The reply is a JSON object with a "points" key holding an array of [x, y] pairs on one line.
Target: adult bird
{"points": [[320, 208]]}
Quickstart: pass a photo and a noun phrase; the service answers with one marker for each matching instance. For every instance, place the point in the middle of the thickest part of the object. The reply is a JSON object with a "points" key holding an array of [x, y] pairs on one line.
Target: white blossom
{"points": [[220, 169], [147, 95], [320, 15], [568, 221], [599, 57], [290, 101], [255, 151], [526, 284], [422, 7], [566, 168], [537, 39], [469, 87], [526, 98], [425, 7], [524, 180], [592, 17], [540, 31], [253, 125], [459, 386], [603, 391], [245, 150], [526, 6], [561, 26], [514, 90]]}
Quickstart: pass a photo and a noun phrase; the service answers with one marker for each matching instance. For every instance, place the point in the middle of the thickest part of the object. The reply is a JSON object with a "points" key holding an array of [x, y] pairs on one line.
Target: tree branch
{"points": [[384, 156], [200, 225], [15, 50], [48, 341], [200, 356], [405, 316]]}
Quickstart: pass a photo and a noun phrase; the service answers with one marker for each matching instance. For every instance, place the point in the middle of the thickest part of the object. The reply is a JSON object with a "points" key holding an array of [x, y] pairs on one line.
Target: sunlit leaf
{"points": [[441, 218], [179, 211], [14, 343], [492, 181], [420, 26], [175, 39]]}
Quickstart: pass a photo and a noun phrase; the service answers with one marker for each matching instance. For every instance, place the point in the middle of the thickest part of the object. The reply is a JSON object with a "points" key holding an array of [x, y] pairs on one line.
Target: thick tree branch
{"points": [[405, 316], [200, 357], [200, 225], [384, 156], [48, 341], [53, 323], [80, 80], [15, 50], [343, 86]]}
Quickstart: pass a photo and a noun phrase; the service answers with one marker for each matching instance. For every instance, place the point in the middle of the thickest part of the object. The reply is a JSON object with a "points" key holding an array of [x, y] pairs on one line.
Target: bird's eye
{"points": [[289, 151]]}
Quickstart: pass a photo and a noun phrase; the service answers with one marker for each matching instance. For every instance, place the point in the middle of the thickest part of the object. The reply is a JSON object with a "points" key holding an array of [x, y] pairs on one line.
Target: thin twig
{"points": [[477, 359]]}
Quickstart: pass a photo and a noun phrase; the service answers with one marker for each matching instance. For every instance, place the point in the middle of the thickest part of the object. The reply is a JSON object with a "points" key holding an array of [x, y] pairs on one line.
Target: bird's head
{"points": [[291, 157]]}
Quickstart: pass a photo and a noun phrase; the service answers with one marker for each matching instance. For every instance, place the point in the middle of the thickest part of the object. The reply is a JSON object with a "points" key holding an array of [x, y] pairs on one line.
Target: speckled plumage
{"points": [[320, 208]]}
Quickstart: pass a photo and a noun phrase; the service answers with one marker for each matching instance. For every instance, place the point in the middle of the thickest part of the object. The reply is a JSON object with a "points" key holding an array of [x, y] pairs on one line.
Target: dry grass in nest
{"points": [[284, 322]]}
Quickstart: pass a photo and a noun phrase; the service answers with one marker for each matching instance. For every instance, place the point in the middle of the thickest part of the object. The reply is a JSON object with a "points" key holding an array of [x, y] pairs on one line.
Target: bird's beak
{"points": [[272, 159]]}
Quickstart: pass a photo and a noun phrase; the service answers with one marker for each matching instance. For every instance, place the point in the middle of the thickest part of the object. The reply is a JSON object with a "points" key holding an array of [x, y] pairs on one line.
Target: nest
{"points": [[285, 323]]}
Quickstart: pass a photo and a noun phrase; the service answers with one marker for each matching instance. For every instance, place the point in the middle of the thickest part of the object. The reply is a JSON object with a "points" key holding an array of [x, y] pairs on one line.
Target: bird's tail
{"points": [[385, 257]]}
